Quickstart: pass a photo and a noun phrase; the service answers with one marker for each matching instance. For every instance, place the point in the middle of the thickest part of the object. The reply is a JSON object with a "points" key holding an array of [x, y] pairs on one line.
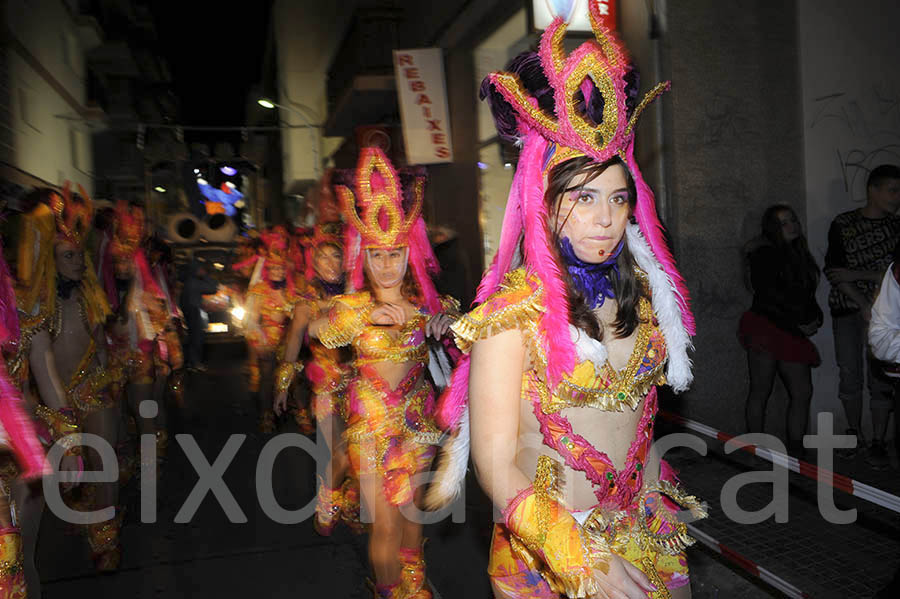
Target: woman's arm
{"points": [[495, 387], [299, 322], [316, 326], [43, 367], [884, 328], [288, 367]]}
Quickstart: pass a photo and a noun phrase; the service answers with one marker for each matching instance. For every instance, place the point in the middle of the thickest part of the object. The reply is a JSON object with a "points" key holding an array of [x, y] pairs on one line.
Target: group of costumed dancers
{"points": [[81, 356], [580, 318]]}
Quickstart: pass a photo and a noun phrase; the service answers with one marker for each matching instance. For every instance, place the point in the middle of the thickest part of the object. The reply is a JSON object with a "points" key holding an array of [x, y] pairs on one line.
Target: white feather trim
{"points": [[453, 462], [665, 306], [588, 348], [256, 276]]}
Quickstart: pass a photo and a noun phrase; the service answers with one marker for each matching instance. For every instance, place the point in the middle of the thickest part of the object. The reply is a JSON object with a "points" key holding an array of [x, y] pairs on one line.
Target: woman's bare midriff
{"points": [[393, 372], [72, 341], [609, 432]]}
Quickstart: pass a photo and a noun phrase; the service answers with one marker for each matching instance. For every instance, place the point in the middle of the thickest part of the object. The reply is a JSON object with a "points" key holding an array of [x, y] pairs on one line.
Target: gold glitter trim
{"points": [[513, 86], [284, 375], [654, 93], [602, 134], [619, 527], [473, 326], [345, 327], [386, 201]]}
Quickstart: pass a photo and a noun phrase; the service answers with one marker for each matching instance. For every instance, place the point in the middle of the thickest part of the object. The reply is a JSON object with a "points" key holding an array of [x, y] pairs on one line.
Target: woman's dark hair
{"points": [[799, 262], [626, 287]]}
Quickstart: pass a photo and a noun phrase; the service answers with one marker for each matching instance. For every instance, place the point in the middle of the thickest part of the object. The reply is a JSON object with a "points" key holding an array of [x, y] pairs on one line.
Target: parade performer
{"points": [[580, 317], [390, 434], [19, 441], [159, 257], [63, 348], [270, 303], [327, 371], [136, 295]]}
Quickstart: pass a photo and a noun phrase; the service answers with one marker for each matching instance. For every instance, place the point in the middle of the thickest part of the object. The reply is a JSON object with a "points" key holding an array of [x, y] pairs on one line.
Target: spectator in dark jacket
{"points": [[783, 315]]}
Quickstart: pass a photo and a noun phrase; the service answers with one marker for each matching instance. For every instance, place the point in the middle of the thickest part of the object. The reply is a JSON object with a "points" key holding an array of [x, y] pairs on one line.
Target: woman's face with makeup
{"points": [[387, 266], [593, 213]]}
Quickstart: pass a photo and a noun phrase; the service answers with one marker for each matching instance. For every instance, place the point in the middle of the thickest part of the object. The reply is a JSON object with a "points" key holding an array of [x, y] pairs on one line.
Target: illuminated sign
{"points": [[574, 11]]}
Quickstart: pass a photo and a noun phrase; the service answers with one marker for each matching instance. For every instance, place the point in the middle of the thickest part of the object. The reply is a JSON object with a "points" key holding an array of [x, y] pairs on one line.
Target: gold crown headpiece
{"points": [[375, 207], [596, 66]]}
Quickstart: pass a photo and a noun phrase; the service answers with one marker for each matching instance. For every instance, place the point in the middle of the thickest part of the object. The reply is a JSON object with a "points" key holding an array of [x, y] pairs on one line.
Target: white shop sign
{"points": [[423, 105]]}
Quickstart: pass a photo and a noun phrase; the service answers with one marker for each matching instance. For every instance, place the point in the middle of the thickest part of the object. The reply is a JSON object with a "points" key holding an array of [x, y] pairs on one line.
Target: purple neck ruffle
{"points": [[591, 279]]}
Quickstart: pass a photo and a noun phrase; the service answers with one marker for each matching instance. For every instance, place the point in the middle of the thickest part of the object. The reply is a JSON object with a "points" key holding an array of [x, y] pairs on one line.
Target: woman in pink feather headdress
{"points": [[581, 316]]}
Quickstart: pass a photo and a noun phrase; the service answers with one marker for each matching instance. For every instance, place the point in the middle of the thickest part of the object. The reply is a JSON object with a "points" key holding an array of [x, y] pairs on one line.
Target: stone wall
{"points": [[734, 145]]}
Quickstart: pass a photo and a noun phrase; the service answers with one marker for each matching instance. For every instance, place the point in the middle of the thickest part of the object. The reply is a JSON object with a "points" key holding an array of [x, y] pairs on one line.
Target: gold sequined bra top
{"points": [[348, 324], [519, 304]]}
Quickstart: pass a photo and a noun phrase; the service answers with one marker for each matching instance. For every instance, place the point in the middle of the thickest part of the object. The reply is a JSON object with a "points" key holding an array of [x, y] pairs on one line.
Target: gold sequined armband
{"points": [[285, 373], [63, 427], [343, 327]]}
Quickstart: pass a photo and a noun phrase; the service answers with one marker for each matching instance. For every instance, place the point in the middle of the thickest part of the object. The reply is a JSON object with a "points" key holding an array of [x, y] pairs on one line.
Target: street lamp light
{"points": [[159, 189], [269, 105]]}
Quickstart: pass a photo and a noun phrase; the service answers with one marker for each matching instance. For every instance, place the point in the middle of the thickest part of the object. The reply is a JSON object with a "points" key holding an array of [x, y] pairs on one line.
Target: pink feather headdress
{"points": [[598, 66], [376, 218]]}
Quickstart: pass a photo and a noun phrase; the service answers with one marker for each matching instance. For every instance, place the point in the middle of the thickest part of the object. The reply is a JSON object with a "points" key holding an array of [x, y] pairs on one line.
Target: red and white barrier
{"points": [[837, 481], [747, 565]]}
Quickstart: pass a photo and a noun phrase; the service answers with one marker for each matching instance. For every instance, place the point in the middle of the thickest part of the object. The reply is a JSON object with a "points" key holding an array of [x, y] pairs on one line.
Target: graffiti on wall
{"points": [[872, 121]]}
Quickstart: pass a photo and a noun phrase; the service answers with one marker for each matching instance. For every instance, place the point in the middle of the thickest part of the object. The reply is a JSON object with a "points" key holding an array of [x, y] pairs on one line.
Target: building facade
{"points": [[47, 118]]}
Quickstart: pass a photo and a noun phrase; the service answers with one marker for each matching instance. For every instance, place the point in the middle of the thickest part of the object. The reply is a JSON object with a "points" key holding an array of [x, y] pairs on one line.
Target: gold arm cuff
{"points": [[285, 373]]}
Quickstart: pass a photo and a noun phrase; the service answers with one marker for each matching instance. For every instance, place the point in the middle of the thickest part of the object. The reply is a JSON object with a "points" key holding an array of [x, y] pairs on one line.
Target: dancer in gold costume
{"points": [[390, 433]]}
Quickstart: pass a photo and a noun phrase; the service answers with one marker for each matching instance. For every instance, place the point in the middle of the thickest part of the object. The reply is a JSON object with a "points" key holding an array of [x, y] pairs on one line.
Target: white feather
{"points": [[665, 306], [256, 276], [453, 462], [588, 348]]}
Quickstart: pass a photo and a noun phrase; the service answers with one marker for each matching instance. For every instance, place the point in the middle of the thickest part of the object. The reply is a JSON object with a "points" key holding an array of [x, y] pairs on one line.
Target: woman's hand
{"points": [[280, 404], [387, 315], [810, 329], [71, 463], [836, 276], [438, 325], [623, 581]]}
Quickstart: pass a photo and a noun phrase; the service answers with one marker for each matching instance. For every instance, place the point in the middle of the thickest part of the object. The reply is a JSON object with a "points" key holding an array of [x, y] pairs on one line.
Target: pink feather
{"points": [[9, 320], [423, 261], [554, 324], [20, 430], [453, 400]]}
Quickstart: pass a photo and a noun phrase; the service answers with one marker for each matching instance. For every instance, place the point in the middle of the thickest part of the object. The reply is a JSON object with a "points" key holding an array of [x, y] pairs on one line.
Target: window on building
{"points": [[78, 149], [26, 108]]}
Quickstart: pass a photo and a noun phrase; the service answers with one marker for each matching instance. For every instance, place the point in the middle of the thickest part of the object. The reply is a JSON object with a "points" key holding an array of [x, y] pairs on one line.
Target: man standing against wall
{"points": [[860, 245]]}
